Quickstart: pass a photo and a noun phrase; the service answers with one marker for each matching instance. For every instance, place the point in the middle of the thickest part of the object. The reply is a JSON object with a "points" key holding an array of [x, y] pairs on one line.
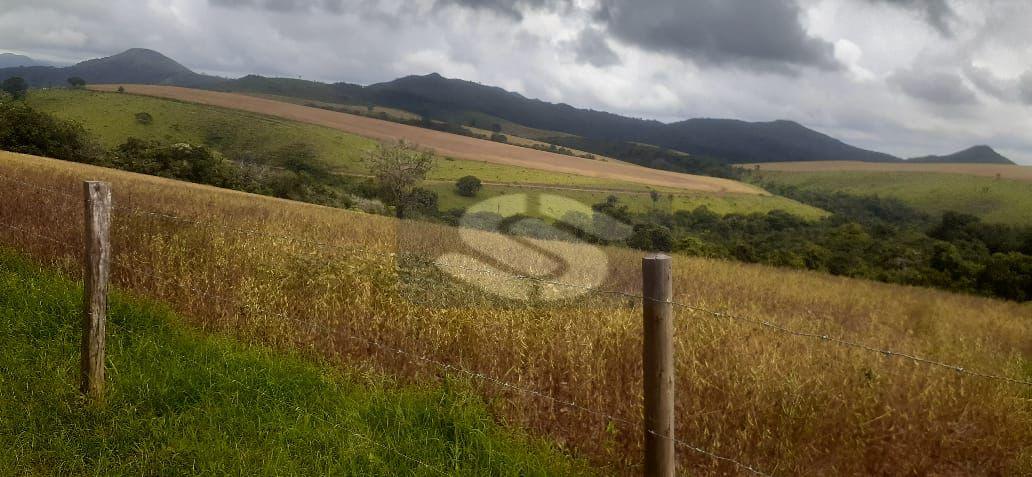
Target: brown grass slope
{"points": [[453, 145], [328, 281]]}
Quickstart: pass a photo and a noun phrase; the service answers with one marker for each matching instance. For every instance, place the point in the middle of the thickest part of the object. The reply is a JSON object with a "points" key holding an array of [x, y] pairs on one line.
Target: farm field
{"points": [[635, 201], [459, 147], [111, 118], [1014, 172], [516, 134], [294, 276], [1006, 201], [177, 400]]}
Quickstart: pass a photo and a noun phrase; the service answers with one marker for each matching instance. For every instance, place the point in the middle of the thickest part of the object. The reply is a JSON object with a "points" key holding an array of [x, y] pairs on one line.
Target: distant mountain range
{"points": [[465, 102], [8, 60]]}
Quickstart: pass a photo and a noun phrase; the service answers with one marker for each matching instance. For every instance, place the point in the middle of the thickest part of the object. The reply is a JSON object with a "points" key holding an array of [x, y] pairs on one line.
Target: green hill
{"points": [[179, 402], [972, 155], [253, 137]]}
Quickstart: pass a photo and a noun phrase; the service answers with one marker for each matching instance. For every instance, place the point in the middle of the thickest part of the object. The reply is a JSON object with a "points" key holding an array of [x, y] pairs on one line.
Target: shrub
{"points": [[496, 137], [25, 130], [15, 86], [144, 118], [468, 186]]}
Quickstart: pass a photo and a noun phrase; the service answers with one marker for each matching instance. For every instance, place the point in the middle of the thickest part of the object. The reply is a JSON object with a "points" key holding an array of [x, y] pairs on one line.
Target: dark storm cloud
{"points": [[756, 34], [510, 8], [591, 47], [937, 13], [1025, 87], [284, 6], [934, 87]]}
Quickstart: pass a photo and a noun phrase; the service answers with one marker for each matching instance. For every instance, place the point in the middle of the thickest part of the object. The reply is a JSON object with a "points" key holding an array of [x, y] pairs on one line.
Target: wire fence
{"points": [[423, 360]]}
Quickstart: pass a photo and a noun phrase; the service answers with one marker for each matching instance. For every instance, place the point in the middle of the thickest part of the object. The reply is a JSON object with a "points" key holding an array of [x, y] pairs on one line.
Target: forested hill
{"points": [[693, 145], [972, 155], [136, 65]]}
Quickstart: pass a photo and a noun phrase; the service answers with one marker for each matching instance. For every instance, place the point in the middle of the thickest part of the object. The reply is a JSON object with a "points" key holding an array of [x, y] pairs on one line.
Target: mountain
{"points": [[971, 155], [729, 140], [136, 65], [8, 60], [702, 144]]}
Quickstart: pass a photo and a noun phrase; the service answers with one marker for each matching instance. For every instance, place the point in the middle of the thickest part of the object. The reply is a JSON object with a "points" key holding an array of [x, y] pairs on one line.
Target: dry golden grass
{"points": [[1005, 171], [453, 145], [783, 404]]}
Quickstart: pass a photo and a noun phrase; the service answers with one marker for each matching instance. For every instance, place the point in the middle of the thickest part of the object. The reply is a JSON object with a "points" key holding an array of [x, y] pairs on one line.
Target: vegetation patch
{"points": [[179, 402], [996, 200]]}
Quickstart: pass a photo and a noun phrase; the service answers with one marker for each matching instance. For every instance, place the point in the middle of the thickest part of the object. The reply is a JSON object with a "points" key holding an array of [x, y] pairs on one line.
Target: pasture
{"points": [[1006, 201], [459, 147], [111, 118], [1014, 172], [329, 282]]}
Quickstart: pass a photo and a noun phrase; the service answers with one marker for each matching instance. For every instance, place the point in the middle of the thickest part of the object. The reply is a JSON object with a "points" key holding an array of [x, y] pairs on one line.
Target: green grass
{"points": [[1000, 201], [110, 117], [719, 203], [181, 403]]}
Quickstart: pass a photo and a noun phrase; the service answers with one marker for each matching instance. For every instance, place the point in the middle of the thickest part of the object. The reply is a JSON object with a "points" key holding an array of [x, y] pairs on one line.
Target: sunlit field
{"points": [[1000, 200], [362, 290]]}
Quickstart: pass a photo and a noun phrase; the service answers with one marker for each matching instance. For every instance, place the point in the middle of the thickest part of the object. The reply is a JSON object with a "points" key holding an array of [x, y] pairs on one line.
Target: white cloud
{"points": [[535, 53]]}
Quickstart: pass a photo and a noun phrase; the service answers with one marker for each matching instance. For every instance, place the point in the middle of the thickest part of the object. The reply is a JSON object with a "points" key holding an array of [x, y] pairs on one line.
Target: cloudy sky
{"points": [[908, 77]]}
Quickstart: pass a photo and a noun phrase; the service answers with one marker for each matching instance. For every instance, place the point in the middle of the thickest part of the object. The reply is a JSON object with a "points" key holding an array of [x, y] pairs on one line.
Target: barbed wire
{"points": [[37, 187], [37, 234], [421, 360], [591, 289]]}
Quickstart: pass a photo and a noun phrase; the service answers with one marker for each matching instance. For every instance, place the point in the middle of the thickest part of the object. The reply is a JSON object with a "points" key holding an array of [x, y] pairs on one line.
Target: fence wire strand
{"points": [[417, 358], [422, 360]]}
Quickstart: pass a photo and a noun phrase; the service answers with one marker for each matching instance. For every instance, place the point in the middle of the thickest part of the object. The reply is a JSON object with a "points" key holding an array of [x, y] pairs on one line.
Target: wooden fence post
{"points": [[658, 361], [97, 266]]}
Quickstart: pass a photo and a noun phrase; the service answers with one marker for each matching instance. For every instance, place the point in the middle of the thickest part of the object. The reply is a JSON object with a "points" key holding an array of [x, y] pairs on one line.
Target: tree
{"points": [[16, 87], [144, 118], [76, 82], [397, 169], [468, 186], [121, 89]]}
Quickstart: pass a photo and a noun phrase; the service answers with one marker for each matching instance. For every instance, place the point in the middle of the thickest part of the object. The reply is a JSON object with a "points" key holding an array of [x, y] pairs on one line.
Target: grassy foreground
{"points": [[1007, 201], [278, 272], [180, 403]]}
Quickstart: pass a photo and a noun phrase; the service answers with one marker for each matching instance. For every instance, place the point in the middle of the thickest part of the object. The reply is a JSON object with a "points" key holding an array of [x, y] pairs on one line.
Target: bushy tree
{"points": [[76, 82], [16, 87], [468, 186], [25, 130], [397, 169]]}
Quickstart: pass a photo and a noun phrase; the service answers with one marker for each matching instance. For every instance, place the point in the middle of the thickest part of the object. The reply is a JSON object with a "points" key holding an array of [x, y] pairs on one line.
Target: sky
{"points": [[907, 77]]}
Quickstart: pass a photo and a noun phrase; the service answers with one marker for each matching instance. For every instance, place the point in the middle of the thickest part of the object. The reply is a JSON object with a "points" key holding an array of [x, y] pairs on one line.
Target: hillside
{"points": [[462, 101], [972, 155], [452, 145], [333, 282], [136, 65], [179, 400], [8, 60], [707, 141]]}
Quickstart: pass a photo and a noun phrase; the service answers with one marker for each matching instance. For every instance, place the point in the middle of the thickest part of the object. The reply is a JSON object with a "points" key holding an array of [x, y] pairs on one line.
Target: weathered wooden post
{"points": [[658, 359], [97, 266]]}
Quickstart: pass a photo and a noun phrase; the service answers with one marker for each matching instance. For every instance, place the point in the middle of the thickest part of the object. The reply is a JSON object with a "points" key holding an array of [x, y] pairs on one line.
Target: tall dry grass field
{"points": [[335, 282]]}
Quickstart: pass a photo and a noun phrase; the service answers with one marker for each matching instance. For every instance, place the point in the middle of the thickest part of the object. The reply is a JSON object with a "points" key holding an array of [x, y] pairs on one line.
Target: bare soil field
{"points": [[453, 145], [1023, 173]]}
